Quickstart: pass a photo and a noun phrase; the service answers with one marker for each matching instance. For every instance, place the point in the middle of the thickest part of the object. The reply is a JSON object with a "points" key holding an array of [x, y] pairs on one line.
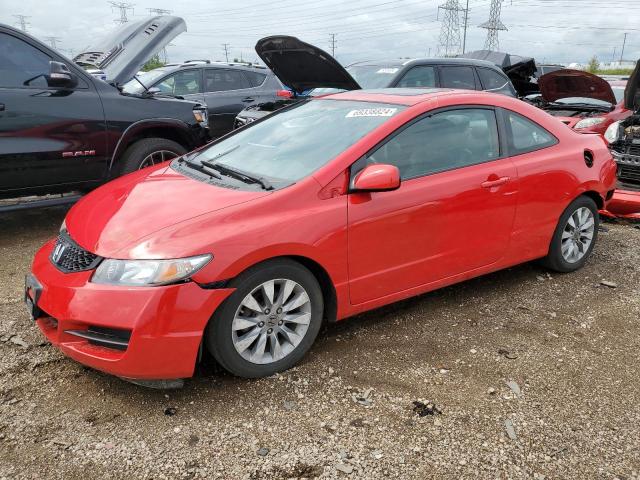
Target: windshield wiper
{"points": [[243, 177], [201, 168]]}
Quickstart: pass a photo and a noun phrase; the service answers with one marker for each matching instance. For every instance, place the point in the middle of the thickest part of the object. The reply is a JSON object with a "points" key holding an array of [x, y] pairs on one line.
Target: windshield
{"points": [[373, 76], [619, 93], [583, 100], [147, 78], [294, 142]]}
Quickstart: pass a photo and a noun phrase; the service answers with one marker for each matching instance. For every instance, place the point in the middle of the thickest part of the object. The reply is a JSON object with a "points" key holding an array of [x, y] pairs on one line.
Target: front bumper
{"points": [[165, 323], [624, 204]]}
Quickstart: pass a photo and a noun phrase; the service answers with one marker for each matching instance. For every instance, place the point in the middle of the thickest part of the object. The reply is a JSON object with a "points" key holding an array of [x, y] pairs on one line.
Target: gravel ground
{"points": [[520, 374]]}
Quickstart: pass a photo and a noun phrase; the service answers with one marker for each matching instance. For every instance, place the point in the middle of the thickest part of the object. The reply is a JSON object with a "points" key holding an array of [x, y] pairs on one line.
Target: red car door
{"points": [[453, 212]]}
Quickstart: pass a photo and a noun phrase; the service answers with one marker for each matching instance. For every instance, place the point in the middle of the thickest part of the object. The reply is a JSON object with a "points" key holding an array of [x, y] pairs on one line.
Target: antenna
{"points": [[449, 44], [493, 26], [124, 9], [22, 21]]}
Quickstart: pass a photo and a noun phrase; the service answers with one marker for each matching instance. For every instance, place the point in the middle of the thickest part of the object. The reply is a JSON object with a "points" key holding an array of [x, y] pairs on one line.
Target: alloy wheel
{"points": [[271, 321], [578, 235], [157, 157]]}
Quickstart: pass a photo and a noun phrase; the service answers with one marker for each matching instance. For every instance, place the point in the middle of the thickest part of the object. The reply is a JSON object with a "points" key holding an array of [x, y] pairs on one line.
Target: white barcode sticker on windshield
{"points": [[371, 112], [388, 70]]}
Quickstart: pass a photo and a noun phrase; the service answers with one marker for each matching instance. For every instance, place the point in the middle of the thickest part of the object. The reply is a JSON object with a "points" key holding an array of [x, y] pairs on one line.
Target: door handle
{"points": [[494, 183], [1, 107], [248, 99]]}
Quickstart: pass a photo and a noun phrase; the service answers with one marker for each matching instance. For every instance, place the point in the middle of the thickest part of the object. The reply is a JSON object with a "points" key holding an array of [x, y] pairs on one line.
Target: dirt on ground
{"points": [[518, 374]]}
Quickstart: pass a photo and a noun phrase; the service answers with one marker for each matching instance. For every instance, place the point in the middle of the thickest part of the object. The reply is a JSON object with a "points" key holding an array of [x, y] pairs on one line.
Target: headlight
{"points": [[201, 116], [589, 122], [147, 272], [613, 132]]}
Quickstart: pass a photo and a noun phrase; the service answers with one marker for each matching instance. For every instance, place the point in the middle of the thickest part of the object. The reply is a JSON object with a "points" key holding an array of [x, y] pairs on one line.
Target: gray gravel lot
{"points": [[535, 376]]}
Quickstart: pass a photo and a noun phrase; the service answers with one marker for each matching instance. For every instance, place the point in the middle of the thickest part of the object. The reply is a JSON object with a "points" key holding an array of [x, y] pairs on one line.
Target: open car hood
{"points": [[568, 83], [123, 52], [520, 70], [301, 66], [631, 94]]}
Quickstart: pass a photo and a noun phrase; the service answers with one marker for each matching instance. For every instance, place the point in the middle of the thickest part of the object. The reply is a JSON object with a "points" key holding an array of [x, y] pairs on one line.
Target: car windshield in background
{"points": [[619, 93], [373, 76], [147, 78], [294, 143]]}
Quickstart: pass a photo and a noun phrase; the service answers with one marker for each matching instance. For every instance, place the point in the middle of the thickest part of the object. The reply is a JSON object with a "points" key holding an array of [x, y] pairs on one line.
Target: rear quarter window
{"points": [[255, 79]]}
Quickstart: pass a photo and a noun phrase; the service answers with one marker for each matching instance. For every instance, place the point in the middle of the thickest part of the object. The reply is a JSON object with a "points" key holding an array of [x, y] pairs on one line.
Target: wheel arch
{"points": [[168, 128], [595, 196]]}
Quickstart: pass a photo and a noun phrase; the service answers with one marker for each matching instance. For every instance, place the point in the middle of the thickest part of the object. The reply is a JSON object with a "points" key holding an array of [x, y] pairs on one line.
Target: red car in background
{"points": [[590, 104], [329, 208]]}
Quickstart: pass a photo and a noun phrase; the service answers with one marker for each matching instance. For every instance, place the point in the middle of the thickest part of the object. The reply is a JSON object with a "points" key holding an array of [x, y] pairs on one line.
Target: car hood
{"points": [[123, 52], [301, 66], [574, 83], [114, 219], [631, 94]]}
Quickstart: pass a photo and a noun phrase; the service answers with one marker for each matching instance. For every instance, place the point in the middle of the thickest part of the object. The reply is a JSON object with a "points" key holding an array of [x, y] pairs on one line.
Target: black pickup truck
{"points": [[64, 130]]}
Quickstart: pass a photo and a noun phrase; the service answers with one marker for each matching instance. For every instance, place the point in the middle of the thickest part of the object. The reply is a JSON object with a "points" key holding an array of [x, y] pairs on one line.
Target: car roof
{"points": [[402, 62], [399, 96]]}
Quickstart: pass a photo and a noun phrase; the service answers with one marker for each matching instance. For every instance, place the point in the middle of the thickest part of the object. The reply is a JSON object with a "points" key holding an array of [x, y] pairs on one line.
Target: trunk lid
{"points": [[575, 84], [631, 97], [302, 66], [123, 52]]}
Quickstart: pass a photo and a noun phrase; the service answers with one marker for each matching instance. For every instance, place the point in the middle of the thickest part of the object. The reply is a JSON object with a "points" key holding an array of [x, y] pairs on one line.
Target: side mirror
{"points": [[60, 76], [377, 178]]}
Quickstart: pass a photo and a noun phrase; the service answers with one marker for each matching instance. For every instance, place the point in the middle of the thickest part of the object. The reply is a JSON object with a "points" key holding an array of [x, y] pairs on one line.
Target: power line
{"points": [[226, 50], [124, 8], [332, 42], [159, 11], [493, 26], [22, 21], [53, 41]]}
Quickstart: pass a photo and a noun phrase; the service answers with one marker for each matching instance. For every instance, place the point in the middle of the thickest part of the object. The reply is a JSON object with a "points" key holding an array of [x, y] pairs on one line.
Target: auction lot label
{"points": [[371, 112]]}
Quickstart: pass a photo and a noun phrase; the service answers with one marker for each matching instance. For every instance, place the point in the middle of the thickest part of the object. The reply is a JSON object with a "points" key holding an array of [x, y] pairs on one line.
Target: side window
{"points": [[21, 65], [492, 81], [419, 76], [255, 79], [526, 136], [220, 80], [444, 141], [186, 82], [457, 77]]}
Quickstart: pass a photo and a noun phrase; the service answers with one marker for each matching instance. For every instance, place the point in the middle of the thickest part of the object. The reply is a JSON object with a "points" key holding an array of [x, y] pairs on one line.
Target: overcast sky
{"points": [[560, 31]]}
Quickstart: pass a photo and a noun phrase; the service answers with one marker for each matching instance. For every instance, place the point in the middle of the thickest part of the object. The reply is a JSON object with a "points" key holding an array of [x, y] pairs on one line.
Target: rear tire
{"points": [[148, 152], [269, 323], [574, 237]]}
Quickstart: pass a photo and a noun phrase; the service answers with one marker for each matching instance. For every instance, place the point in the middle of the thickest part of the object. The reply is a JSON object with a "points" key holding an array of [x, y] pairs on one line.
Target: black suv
{"points": [[62, 129], [226, 88], [308, 70]]}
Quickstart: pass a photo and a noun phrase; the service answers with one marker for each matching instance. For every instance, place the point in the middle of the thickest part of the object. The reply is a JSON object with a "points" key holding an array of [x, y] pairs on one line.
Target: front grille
{"points": [[68, 256], [629, 175], [115, 338]]}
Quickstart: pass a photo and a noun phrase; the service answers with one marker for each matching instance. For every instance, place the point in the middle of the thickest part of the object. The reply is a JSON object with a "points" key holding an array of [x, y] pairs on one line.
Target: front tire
{"points": [[574, 237], [148, 152], [269, 323]]}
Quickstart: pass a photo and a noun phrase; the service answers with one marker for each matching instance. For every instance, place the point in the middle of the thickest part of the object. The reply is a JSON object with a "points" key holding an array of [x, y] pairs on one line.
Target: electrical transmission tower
{"points": [[493, 26], [53, 41], [449, 45], [332, 43], [226, 50], [22, 21], [124, 8]]}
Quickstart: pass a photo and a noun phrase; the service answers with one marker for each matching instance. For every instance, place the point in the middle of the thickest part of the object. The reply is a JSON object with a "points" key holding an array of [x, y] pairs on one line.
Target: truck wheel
{"points": [[148, 152]]}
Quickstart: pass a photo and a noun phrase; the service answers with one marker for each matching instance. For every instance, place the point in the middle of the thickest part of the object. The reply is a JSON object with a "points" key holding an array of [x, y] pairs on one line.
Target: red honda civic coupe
{"points": [[331, 207]]}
